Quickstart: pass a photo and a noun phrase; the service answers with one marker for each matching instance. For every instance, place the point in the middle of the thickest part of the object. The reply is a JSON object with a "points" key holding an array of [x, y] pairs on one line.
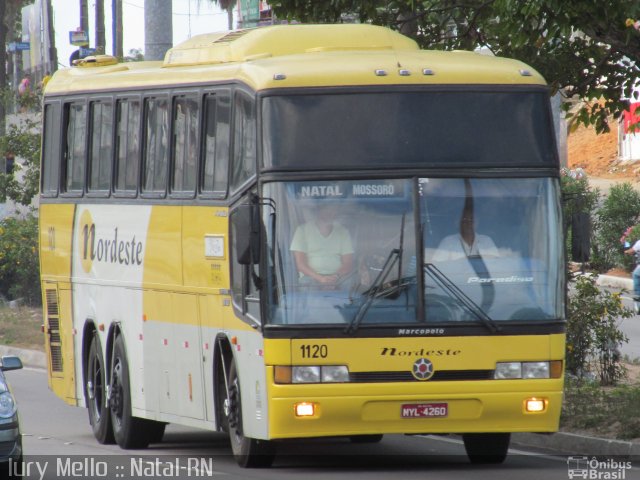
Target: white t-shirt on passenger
{"points": [[324, 254]]}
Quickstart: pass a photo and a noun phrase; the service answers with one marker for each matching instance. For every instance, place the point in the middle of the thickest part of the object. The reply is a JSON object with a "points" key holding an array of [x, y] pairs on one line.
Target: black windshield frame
{"points": [[390, 131]]}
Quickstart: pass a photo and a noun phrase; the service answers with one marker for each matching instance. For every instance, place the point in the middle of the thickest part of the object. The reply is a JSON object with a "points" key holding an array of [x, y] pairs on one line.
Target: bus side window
{"points": [[127, 145], [156, 148], [186, 114], [50, 150], [216, 144], [75, 147], [101, 146], [244, 141]]}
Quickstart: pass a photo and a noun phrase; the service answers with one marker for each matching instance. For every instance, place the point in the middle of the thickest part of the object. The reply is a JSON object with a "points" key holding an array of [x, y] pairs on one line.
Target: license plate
{"points": [[424, 410]]}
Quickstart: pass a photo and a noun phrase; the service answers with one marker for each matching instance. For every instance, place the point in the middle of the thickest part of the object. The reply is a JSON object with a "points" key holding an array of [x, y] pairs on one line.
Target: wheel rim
{"points": [[95, 388], [234, 417], [116, 401]]}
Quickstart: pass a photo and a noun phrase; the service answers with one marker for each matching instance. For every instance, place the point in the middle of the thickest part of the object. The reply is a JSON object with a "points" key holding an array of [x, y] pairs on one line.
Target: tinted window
{"points": [[75, 147], [244, 141], [156, 153], [185, 152], [216, 144], [394, 129], [127, 145], [101, 146], [50, 150]]}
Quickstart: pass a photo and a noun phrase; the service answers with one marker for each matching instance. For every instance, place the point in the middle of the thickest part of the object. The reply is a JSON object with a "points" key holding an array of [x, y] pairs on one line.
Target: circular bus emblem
{"points": [[422, 369]]}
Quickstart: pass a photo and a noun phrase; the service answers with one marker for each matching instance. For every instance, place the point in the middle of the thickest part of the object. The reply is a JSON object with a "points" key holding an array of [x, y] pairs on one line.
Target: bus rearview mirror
{"points": [[246, 234]]}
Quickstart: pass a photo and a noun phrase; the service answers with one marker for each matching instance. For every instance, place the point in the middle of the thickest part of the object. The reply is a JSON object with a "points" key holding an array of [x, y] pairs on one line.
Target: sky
{"points": [[190, 17]]}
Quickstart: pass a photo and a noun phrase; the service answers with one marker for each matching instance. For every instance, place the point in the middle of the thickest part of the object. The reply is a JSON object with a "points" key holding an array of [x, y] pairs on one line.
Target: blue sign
{"points": [[86, 52], [19, 46]]}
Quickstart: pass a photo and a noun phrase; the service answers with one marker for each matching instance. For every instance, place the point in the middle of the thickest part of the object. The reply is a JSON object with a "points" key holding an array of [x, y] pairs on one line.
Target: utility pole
{"points": [[158, 28], [84, 16], [116, 28], [100, 36]]}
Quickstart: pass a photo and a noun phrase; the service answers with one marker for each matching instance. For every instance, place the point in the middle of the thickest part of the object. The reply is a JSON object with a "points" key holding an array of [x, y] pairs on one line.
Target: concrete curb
{"points": [[30, 358], [615, 282], [572, 443]]}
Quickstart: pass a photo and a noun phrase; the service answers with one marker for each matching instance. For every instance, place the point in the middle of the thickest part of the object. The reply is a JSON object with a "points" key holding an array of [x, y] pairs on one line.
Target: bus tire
{"points": [[248, 452], [486, 447], [129, 431], [366, 438], [95, 394]]}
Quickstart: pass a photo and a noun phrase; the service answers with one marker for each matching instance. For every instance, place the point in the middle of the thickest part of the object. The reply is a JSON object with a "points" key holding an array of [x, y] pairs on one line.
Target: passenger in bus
{"points": [[323, 249], [467, 242]]}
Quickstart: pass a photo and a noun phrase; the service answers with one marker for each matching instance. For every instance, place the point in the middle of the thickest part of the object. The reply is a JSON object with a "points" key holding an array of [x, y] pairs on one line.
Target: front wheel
{"points": [[248, 452], [486, 447]]}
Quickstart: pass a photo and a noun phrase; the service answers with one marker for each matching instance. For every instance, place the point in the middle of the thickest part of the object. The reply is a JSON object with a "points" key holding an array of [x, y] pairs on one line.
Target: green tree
{"points": [[23, 142], [585, 49], [593, 336], [619, 210]]}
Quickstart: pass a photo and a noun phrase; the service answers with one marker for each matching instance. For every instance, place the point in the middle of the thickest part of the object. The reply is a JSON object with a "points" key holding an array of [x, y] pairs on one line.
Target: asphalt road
{"points": [[58, 441]]}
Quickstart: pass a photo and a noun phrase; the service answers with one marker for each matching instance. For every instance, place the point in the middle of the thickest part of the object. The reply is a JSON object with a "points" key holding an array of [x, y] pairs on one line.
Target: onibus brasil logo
{"points": [[110, 249], [592, 468]]}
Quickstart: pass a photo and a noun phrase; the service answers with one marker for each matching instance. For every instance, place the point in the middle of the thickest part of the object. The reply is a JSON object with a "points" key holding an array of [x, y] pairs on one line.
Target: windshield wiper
{"points": [[371, 293], [446, 284]]}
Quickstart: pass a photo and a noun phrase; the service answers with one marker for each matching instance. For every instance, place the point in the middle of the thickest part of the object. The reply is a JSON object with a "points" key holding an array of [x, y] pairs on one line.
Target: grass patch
{"points": [[611, 412], [21, 327]]}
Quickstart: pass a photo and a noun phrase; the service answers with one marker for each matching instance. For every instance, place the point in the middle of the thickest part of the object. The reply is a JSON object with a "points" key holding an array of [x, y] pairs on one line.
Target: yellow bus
{"points": [[304, 231]]}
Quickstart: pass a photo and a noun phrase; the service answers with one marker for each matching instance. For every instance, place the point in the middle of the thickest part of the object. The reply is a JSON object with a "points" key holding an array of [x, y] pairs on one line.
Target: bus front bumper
{"points": [[460, 407]]}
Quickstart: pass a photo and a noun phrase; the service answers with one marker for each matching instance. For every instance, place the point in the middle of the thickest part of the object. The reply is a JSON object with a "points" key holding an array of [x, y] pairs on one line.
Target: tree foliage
{"points": [[23, 141], [586, 49], [593, 335]]}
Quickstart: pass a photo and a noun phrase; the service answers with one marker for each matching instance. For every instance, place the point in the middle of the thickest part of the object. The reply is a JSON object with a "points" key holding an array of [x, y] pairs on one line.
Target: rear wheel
{"points": [[95, 394], [248, 452], [486, 447], [129, 431]]}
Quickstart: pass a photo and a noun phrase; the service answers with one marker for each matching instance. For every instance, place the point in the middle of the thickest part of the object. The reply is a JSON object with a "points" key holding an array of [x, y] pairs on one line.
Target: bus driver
{"points": [[322, 248]]}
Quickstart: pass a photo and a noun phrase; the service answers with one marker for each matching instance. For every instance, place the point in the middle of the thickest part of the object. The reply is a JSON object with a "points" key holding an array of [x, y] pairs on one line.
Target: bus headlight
{"points": [[535, 370], [306, 375], [7, 405], [508, 370], [311, 374], [528, 370], [335, 374]]}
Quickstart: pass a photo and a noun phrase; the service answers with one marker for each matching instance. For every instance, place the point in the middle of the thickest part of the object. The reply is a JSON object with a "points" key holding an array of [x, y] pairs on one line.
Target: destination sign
{"points": [[353, 189]]}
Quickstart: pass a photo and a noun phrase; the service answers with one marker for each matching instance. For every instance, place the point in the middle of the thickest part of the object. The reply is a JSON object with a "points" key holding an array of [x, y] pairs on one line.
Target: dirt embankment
{"points": [[597, 154]]}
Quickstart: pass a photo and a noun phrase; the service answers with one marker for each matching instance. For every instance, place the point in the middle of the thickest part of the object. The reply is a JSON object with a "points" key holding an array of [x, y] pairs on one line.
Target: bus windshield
{"points": [[365, 253]]}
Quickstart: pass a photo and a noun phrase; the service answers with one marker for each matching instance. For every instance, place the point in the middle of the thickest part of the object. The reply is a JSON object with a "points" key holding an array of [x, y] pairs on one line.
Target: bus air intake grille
{"points": [[52, 303], [442, 376], [56, 358], [231, 36]]}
